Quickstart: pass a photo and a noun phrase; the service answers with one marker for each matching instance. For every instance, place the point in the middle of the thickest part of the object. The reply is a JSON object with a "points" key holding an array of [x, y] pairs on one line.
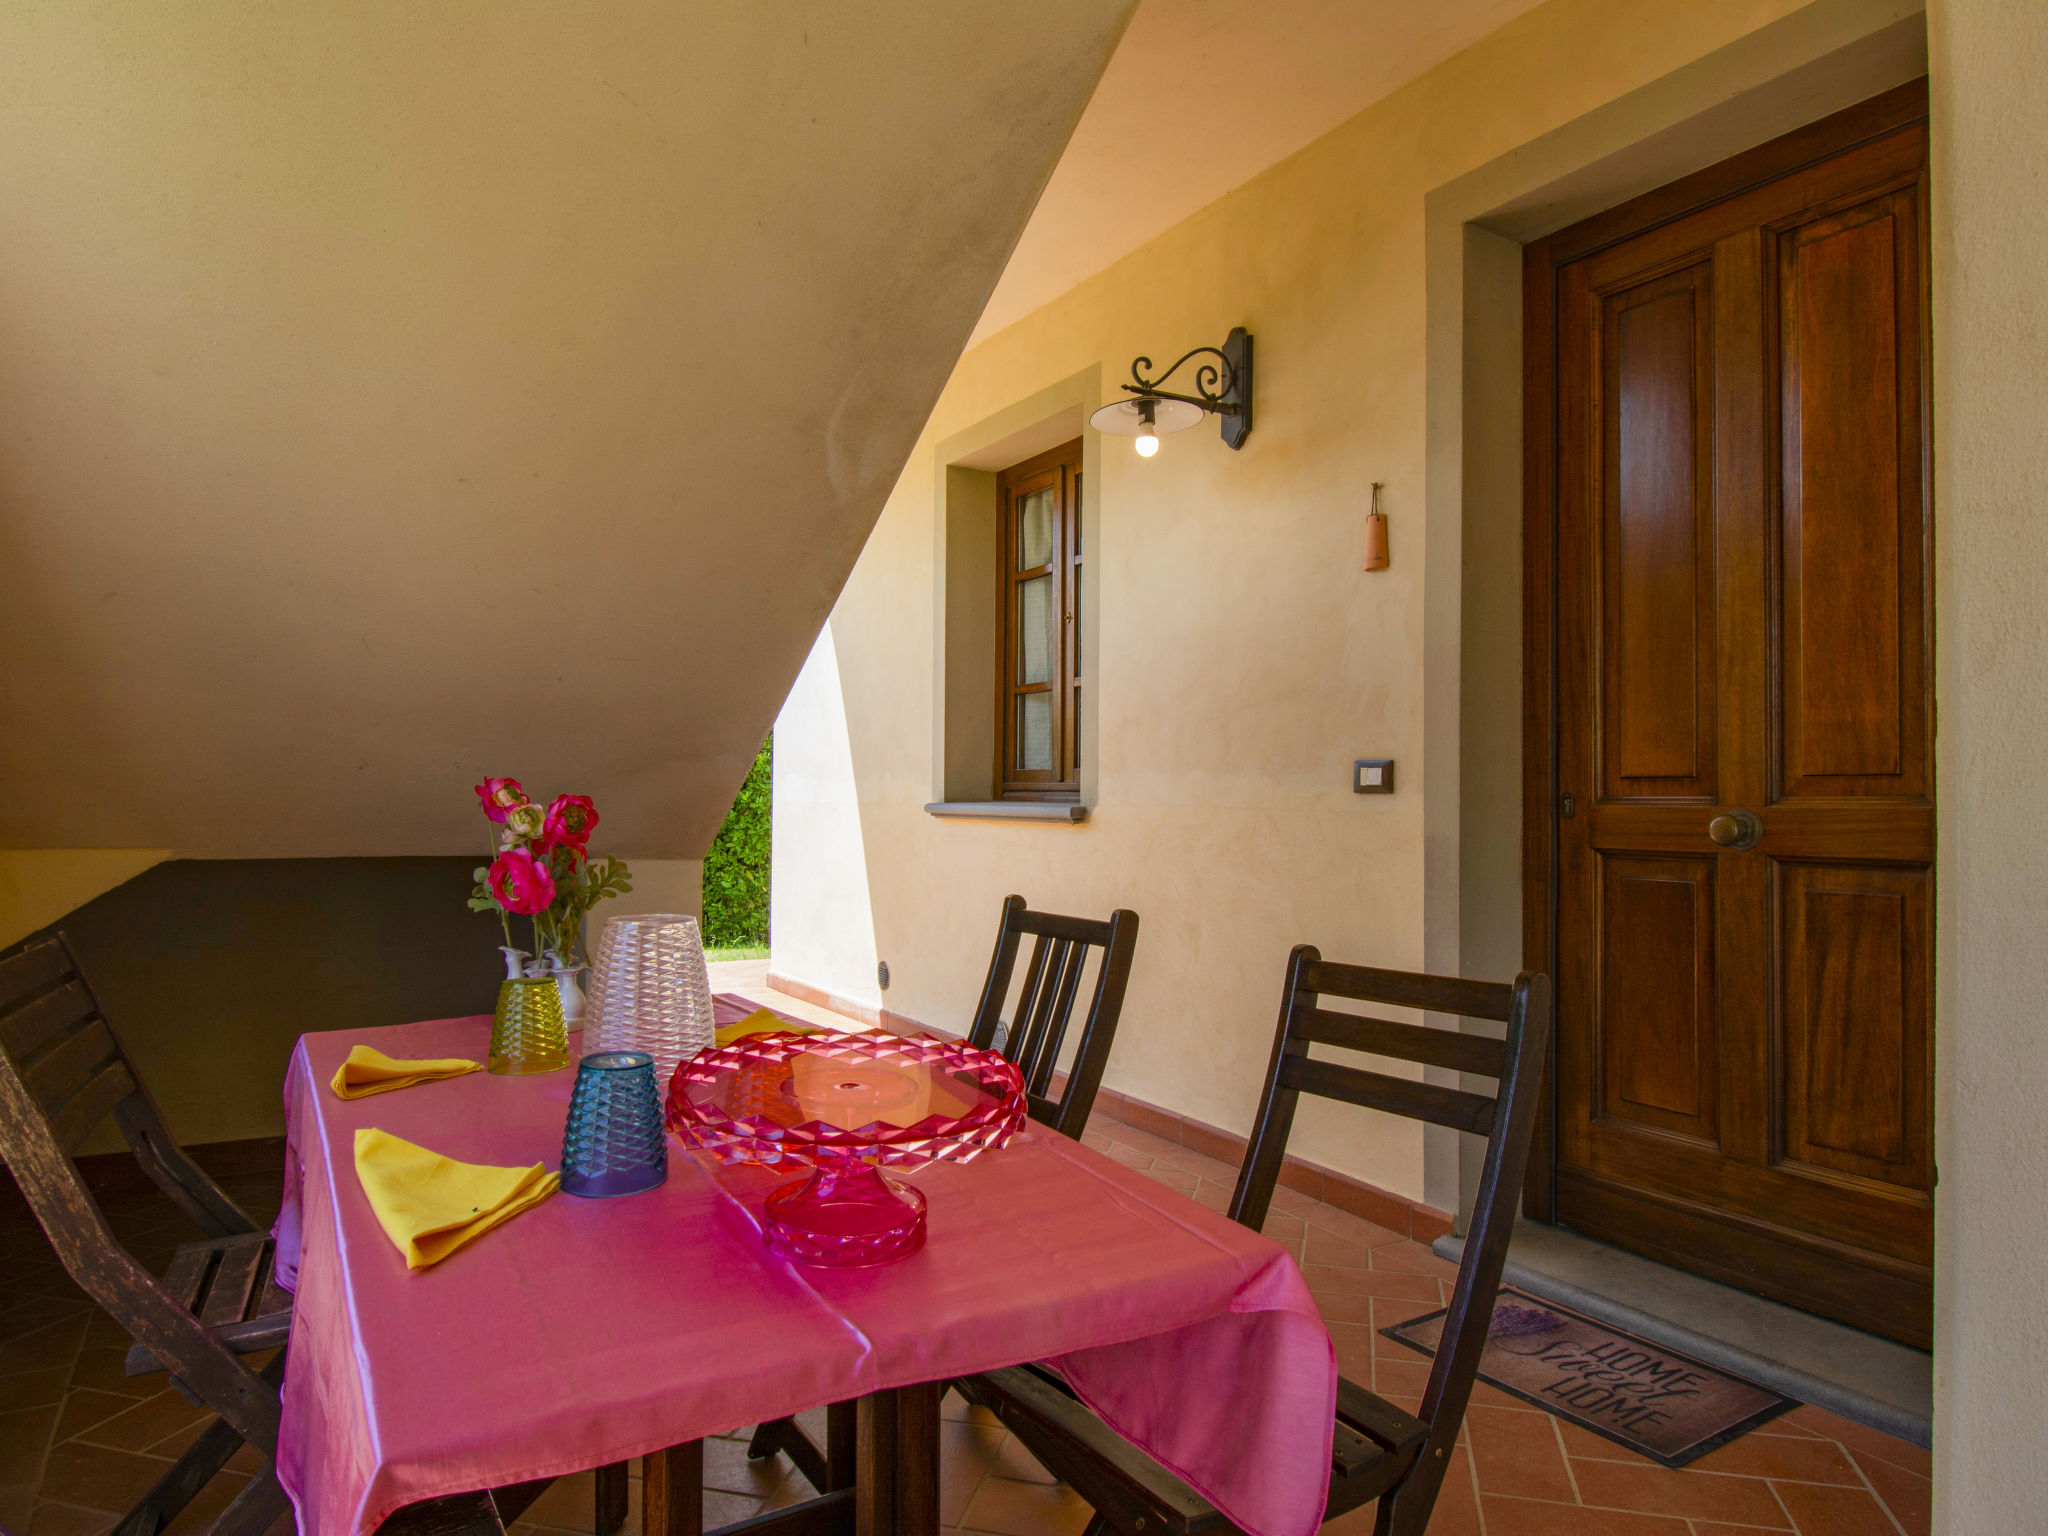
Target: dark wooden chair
{"points": [[1030, 1039], [1381, 1451], [62, 1073]]}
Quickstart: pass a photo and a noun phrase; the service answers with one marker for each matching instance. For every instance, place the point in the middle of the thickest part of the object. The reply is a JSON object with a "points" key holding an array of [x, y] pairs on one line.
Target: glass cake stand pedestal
{"points": [[845, 1107]]}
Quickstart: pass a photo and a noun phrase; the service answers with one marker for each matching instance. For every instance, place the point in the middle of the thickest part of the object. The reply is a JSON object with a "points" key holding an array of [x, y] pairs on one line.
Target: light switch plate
{"points": [[1373, 776]]}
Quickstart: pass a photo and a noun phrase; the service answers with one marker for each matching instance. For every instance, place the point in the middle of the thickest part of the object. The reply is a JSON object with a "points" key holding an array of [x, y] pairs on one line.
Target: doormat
{"points": [[1664, 1405]]}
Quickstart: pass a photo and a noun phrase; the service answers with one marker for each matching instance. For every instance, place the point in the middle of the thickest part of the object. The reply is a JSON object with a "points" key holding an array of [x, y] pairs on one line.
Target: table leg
{"points": [[897, 1450], [611, 1498], [672, 1491]]}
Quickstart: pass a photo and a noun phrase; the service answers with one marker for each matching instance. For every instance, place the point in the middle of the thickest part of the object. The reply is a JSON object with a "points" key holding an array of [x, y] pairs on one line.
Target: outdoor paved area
{"points": [[79, 1441]]}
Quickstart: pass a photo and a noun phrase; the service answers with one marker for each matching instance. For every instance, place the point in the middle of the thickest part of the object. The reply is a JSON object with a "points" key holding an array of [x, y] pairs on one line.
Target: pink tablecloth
{"points": [[588, 1331]]}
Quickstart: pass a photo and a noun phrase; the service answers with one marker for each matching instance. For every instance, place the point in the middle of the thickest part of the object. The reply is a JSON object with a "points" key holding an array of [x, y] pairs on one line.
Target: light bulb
{"points": [[1148, 441]]}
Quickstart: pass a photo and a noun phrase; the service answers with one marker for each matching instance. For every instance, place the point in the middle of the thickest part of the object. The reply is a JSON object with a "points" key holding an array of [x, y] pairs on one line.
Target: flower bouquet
{"points": [[540, 868]]}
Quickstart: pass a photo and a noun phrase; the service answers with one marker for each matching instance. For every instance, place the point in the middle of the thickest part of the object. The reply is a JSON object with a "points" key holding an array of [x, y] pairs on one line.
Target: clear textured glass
{"points": [[1074, 512], [527, 1032], [1034, 529], [1078, 611], [649, 990], [613, 1143], [1037, 622], [1034, 731]]}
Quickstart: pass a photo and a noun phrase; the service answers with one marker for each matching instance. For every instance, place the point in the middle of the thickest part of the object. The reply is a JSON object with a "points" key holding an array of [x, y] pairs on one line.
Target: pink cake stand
{"points": [[845, 1106]]}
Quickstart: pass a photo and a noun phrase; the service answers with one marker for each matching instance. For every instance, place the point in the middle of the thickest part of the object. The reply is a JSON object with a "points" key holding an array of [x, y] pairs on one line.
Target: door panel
{"points": [[1741, 624], [1657, 539], [1854, 1040], [1658, 1048], [1854, 620]]}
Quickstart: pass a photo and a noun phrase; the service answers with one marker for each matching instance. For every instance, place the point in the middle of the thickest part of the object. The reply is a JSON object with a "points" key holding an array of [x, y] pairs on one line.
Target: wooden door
{"points": [[1744, 827]]}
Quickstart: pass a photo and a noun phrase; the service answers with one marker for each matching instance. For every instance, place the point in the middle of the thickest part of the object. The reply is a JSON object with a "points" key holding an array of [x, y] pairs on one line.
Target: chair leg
{"points": [[767, 1439], [1406, 1507], [672, 1491], [611, 1499], [1097, 1526], [180, 1486], [254, 1509]]}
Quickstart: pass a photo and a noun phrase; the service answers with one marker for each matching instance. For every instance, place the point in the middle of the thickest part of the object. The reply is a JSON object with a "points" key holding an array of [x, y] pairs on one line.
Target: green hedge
{"points": [[736, 868]]}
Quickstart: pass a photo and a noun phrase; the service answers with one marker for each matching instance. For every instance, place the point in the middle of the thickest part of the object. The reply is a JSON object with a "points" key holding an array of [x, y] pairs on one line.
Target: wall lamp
{"points": [[1223, 388]]}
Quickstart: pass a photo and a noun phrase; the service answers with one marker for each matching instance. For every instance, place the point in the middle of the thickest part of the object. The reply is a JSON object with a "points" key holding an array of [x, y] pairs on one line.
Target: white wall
{"points": [[1990, 273], [821, 925]]}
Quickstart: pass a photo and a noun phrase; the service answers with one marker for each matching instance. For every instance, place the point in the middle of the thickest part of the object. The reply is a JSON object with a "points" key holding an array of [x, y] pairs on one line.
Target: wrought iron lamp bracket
{"points": [[1222, 387]]}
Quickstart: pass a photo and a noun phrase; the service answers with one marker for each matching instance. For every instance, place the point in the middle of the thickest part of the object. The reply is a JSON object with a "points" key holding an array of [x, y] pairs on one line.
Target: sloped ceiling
{"points": [[1203, 95], [395, 393]]}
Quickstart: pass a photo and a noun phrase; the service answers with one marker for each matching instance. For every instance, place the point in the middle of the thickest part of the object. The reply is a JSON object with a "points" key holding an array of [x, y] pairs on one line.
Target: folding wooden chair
{"points": [[62, 1072], [1381, 1451], [1030, 1039]]}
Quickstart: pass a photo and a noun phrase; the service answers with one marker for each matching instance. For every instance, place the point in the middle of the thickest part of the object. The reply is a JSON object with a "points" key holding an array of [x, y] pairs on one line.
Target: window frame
{"points": [[1059, 469]]}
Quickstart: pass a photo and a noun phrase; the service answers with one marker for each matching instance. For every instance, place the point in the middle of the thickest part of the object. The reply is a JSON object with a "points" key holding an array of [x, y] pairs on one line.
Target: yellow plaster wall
{"points": [[40, 885], [1242, 659], [1990, 146]]}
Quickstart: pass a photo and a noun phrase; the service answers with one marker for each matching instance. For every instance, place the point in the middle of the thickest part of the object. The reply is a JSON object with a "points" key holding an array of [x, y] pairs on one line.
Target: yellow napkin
{"points": [[761, 1022], [430, 1205], [370, 1071]]}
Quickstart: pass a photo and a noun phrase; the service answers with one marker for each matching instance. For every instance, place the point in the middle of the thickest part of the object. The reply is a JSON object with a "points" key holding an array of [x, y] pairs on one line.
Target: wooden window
{"points": [[1038, 671]]}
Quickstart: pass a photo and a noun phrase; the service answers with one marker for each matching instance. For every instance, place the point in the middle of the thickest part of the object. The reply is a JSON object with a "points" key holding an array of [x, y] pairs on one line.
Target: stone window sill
{"points": [[1066, 811]]}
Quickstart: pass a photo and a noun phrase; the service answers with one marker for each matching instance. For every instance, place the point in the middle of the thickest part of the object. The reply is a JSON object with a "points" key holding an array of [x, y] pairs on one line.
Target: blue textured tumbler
{"points": [[613, 1143]]}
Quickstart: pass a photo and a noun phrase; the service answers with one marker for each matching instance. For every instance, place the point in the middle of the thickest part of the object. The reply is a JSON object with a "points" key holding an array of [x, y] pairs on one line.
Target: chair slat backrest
{"points": [[70, 1064], [1037, 1027], [71, 1075], [1506, 1118]]}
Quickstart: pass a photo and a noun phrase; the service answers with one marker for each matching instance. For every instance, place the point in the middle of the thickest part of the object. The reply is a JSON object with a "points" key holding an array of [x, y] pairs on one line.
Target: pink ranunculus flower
{"points": [[521, 882], [499, 796], [571, 819]]}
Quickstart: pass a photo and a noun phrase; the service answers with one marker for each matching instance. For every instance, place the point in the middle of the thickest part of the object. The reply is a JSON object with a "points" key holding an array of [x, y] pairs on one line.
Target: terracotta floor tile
{"points": [[1326, 1247], [1355, 1350], [1344, 1307], [53, 1344], [63, 1520], [1019, 1465], [966, 1452], [1285, 1199], [1130, 1157], [1176, 1179], [727, 1509], [93, 1477], [726, 1467], [1126, 1135], [1025, 1509], [100, 1369], [17, 1504], [1215, 1196], [85, 1408], [1656, 1490], [1202, 1167], [1404, 1284], [1399, 1376], [141, 1426], [1283, 1228], [205, 1508], [1517, 1453], [1804, 1461], [1819, 1511], [1414, 1257], [1907, 1495], [1506, 1516], [37, 1312], [1863, 1440], [1391, 1312], [568, 1504], [32, 1389], [1341, 1223], [24, 1436]]}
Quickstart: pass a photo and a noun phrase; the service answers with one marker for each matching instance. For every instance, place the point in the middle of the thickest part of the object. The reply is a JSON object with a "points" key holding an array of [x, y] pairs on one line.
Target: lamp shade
{"points": [[1122, 418]]}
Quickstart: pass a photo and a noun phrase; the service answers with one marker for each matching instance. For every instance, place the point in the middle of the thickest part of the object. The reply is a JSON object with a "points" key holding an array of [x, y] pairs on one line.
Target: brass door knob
{"points": [[1736, 829]]}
